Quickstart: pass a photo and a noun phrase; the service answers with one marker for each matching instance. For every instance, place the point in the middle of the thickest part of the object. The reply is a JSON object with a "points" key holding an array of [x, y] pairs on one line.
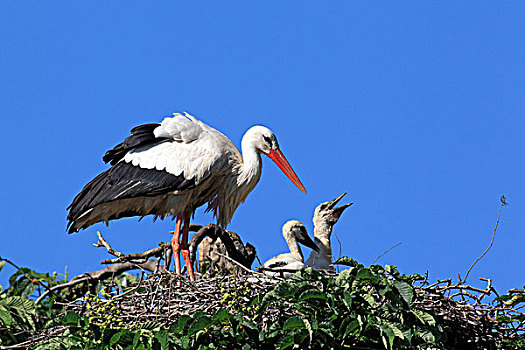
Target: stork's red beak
{"points": [[278, 157]]}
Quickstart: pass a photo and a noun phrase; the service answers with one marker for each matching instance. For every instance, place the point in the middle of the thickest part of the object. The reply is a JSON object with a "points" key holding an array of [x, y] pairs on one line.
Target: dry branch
{"points": [[503, 201]]}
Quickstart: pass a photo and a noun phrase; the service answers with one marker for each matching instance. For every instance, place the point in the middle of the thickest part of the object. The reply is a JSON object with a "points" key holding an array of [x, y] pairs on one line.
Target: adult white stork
{"points": [[294, 233], [171, 169]]}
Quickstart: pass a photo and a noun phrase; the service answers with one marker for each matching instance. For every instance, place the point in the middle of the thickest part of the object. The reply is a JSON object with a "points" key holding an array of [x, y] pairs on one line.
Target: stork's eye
{"points": [[267, 140]]}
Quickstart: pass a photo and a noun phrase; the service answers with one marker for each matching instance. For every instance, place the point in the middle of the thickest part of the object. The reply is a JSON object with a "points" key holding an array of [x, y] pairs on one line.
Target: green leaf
{"points": [[397, 332], [308, 326], [5, 316], [249, 324], [407, 334], [387, 335], [182, 322], [405, 290], [347, 261], [151, 325], [2, 264], [293, 323], [286, 342], [424, 317], [71, 318], [24, 308], [136, 339], [351, 328], [392, 270], [503, 297], [348, 299], [221, 316], [364, 274], [162, 337], [200, 323], [116, 337], [369, 299], [345, 278], [186, 342], [428, 336], [285, 289], [58, 344], [312, 294]]}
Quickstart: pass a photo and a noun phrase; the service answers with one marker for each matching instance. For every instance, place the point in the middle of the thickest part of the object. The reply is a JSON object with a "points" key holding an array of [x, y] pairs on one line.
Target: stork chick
{"points": [[294, 233], [325, 217]]}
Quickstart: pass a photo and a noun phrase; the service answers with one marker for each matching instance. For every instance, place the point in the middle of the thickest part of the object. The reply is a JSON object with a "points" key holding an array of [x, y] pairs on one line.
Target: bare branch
{"points": [[122, 264], [103, 243], [503, 203], [386, 251]]}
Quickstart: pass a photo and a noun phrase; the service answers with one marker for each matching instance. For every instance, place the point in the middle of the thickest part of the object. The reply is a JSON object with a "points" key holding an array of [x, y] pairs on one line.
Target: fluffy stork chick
{"points": [[325, 217], [294, 233]]}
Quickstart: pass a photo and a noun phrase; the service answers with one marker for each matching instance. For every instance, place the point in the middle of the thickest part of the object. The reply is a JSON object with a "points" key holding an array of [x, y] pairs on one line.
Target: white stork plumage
{"points": [[171, 169], [294, 232]]}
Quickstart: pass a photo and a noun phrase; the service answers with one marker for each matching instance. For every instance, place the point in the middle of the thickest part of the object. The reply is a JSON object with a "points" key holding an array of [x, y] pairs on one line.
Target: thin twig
{"points": [[386, 251], [502, 204], [340, 248], [236, 262]]}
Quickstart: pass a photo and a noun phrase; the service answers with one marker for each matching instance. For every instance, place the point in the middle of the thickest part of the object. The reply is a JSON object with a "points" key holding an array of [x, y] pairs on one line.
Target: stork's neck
{"points": [[294, 247], [322, 234], [250, 169]]}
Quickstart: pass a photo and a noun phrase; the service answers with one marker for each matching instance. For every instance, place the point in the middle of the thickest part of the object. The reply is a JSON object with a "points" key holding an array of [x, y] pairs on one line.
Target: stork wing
{"points": [[171, 157], [186, 147]]}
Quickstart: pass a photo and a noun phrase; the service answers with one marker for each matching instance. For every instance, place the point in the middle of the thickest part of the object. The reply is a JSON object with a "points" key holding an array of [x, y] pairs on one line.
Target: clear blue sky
{"points": [[416, 109]]}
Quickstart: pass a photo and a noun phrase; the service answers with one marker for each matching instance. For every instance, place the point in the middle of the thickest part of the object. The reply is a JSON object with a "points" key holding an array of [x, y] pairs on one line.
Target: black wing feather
{"points": [[124, 180], [141, 135], [277, 264]]}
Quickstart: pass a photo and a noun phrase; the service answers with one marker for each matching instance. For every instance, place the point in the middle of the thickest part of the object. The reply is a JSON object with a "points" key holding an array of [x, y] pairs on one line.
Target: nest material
{"points": [[469, 323], [159, 299], [467, 327]]}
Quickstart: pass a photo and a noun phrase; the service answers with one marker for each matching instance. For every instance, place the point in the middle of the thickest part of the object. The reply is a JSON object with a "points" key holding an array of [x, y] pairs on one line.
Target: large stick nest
{"points": [[468, 323], [126, 301]]}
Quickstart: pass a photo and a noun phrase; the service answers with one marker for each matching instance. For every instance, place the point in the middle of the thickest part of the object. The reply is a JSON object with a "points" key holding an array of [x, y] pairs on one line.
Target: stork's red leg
{"points": [[176, 245], [184, 248]]}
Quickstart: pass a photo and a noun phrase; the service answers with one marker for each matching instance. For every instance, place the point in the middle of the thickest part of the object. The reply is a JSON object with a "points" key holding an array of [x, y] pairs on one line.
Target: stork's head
{"points": [[262, 138], [294, 229], [265, 142], [327, 212]]}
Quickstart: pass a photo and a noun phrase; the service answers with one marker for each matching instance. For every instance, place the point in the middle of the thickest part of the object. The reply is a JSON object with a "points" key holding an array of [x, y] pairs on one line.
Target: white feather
{"points": [[195, 153], [289, 261]]}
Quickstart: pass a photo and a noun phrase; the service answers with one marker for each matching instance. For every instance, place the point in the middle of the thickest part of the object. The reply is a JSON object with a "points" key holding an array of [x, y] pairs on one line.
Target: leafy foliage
{"points": [[513, 300], [362, 307]]}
